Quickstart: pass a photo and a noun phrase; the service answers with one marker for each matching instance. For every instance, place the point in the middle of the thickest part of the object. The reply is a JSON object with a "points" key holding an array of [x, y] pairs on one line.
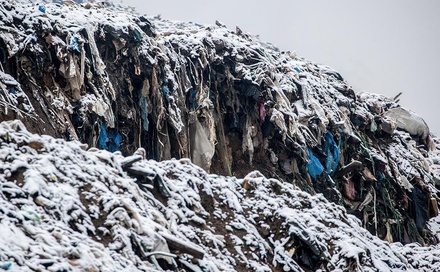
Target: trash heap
{"points": [[105, 76], [66, 209]]}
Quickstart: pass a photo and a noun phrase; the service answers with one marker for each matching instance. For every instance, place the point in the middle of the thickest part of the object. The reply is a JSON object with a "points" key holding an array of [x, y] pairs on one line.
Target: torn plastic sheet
{"points": [[71, 72], [103, 137], [42, 9], [248, 143], [109, 140], [144, 113], [349, 190], [166, 92], [193, 97], [137, 36], [314, 165], [333, 153], [409, 121], [420, 201], [201, 149]]}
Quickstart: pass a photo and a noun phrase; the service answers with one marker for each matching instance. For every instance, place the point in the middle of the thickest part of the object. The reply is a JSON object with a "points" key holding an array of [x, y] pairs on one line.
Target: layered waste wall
{"points": [[118, 81]]}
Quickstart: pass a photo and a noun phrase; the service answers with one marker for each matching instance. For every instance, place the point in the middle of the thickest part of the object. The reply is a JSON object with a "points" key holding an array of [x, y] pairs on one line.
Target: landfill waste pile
{"points": [[295, 170]]}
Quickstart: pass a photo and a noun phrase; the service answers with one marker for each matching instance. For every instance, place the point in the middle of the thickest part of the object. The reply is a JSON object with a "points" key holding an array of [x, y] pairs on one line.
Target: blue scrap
{"points": [[103, 137], [109, 140], [332, 151], [419, 200], [42, 9], [297, 69], [194, 98], [137, 35], [314, 165], [144, 112], [74, 45], [166, 92], [13, 91], [115, 141], [6, 266]]}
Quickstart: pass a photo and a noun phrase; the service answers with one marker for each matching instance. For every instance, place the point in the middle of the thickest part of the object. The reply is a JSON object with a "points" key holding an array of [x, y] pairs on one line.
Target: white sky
{"points": [[385, 47]]}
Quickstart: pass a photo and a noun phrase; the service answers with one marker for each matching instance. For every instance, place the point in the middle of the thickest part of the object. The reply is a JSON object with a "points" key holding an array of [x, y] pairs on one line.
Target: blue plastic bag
{"points": [[109, 140], [314, 165], [103, 137]]}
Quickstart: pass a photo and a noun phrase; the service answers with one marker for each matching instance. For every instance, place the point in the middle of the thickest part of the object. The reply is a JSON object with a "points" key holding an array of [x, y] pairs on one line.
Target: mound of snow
{"points": [[66, 209]]}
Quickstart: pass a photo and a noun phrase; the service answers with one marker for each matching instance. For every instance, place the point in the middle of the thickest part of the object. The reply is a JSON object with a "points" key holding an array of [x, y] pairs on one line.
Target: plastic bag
{"points": [[314, 165], [201, 149]]}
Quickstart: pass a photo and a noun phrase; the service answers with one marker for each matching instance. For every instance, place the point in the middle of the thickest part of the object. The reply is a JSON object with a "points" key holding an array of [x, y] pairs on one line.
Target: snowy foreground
{"points": [[66, 209]]}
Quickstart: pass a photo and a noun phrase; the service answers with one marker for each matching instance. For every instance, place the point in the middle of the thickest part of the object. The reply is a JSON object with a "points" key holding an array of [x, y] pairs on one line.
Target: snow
{"points": [[65, 198]]}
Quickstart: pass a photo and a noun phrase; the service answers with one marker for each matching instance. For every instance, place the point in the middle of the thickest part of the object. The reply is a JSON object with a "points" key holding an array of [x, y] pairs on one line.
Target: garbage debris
{"points": [[118, 81], [109, 140], [42, 9], [410, 122], [201, 149], [314, 165]]}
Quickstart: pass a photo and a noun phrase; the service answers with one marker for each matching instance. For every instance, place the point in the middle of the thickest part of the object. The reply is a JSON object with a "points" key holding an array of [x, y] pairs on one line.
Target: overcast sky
{"points": [[385, 47]]}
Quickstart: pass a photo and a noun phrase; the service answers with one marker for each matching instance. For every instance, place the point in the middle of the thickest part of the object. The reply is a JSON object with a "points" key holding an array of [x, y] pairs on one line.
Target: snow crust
{"points": [[66, 209]]}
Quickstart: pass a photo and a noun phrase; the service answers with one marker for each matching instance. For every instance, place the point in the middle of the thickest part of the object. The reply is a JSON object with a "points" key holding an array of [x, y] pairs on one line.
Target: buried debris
{"points": [[181, 247]]}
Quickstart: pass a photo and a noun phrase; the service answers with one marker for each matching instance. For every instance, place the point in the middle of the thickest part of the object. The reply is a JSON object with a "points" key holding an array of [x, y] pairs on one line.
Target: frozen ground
{"points": [[67, 209]]}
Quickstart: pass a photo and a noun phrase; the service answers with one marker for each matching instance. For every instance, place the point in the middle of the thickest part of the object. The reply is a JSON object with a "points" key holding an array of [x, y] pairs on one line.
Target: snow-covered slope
{"points": [[66, 209], [109, 78]]}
